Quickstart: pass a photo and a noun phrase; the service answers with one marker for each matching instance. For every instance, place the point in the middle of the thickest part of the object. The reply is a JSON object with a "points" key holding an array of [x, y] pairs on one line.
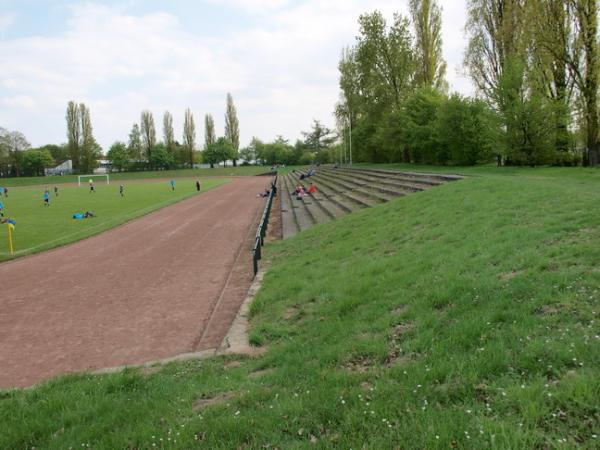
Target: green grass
{"points": [[489, 169], [165, 174], [465, 316], [40, 228]]}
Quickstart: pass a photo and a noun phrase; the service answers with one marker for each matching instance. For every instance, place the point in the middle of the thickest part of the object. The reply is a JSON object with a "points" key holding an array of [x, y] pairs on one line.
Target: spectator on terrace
{"points": [[312, 189], [300, 193]]}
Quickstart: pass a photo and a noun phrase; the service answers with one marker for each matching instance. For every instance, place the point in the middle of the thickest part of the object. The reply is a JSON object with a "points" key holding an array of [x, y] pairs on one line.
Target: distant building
{"points": [[104, 166], [64, 168]]}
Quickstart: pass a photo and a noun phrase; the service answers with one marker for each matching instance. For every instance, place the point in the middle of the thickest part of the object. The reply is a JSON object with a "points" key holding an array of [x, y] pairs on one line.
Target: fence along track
{"points": [[261, 232]]}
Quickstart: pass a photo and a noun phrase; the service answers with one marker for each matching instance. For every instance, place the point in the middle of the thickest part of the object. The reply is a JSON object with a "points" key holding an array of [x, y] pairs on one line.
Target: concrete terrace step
{"points": [[444, 178], [288, 217], [360, 192], [354, 194], [329, 207], [402, 183], [389, 188], [302, 218], [344, 190], [341, 201], [312, 207]]}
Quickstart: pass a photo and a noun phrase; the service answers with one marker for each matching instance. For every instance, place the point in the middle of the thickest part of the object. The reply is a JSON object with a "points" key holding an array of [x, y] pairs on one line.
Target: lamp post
{"points": [[350, 139]]}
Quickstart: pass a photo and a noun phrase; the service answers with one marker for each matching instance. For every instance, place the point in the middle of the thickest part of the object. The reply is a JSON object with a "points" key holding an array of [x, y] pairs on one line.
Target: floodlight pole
{"points": [[350, 139]]}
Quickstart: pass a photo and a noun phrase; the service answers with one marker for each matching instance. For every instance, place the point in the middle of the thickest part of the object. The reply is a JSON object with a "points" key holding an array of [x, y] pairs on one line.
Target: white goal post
{"points": [[90, 177]]}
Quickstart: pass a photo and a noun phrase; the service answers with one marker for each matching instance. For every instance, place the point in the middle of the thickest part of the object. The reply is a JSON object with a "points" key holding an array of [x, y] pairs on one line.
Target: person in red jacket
{"points": [[312, 189]]}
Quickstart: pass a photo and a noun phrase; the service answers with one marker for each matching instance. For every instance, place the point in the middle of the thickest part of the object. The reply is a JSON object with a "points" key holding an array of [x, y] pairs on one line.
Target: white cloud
{"points": [[7, 20], [19, 102], [252, 6], [281, 76]]}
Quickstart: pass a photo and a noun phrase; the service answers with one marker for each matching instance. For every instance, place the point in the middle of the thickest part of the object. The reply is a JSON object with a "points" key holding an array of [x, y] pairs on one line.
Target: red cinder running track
{"points": [[137, 293]]}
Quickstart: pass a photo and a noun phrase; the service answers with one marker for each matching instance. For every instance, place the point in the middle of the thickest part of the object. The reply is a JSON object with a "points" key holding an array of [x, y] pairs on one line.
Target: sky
{"points": [[278, 59]]}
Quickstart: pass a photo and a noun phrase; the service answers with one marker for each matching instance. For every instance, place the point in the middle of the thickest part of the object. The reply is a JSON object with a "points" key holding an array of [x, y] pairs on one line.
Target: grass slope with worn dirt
{"points": [[465, 316]]}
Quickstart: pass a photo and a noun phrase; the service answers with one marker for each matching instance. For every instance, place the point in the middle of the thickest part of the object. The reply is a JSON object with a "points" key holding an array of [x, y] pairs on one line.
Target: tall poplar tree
{"points": [[88, 143], [585, 66], [189, 135], [134, 147], [209, 135], [73, 132], [495, 29], [148, 132], [168, 133], [427, 21], [552, 43], [232, 128]]}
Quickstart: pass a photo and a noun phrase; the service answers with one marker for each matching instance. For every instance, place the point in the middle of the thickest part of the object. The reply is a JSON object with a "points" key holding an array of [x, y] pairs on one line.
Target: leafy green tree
{"points": [[189, 136], [219, 151], [88, 147], [319, 138], [12, 146], [210, 155], [148, 133], [118, 156], [134, 147], [552, 43], [232, 128], [377, 75], [35, 161], [467, 131], [60, 153], [427, 21], [419, 117], [73, 132], [4, 153], [209, 131], [168, 132], [584, 63], [161, 158]]}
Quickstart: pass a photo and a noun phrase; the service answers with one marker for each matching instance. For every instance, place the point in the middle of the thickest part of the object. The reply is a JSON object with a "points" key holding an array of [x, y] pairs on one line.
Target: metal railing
{"points": [[261, 232]]}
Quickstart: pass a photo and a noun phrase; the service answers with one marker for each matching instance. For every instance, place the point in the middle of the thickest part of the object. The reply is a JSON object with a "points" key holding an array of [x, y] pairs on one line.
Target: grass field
{"points": [[40, 228], [164, 174], [465, 316]]}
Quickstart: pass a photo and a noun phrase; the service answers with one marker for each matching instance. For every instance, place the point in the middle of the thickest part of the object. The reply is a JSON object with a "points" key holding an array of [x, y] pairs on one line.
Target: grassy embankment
{"points": [[465, 316], [164, 174], [41, 228]]}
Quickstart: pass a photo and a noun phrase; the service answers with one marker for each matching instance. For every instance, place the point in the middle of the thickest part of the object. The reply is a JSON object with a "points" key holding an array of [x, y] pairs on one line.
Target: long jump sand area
{"points": [[139, 292]]}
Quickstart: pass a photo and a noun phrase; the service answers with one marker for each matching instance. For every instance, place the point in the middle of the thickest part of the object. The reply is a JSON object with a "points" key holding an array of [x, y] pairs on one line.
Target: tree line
{"points": [[17, 158], [534, 64], [144, 151]]}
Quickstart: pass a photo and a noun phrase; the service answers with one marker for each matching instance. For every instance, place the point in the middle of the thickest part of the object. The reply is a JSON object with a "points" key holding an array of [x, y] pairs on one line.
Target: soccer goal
{"points": [[91, 177]]}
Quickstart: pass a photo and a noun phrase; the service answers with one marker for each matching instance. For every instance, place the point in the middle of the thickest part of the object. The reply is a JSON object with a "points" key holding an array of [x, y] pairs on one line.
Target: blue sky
{"points": [[278, 58]]}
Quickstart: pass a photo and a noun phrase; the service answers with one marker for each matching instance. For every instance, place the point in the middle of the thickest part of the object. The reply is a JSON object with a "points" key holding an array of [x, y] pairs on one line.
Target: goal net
{"points": [[88, 178]]}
